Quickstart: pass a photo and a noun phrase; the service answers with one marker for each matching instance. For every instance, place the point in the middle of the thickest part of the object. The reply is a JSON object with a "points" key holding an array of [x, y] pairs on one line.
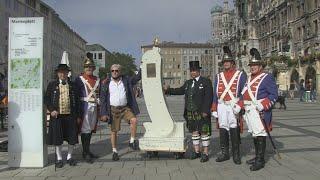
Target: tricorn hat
{"points": [[63, 67], [88, 62], [255, 57], [227, 55], [194, 65]]}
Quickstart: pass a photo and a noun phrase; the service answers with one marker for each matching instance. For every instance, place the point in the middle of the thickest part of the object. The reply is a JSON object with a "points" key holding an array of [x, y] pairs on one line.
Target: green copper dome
{"points": [[216, 9]]}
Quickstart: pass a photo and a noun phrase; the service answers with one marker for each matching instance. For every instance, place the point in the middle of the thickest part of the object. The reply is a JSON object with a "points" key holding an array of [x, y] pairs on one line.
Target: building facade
{"points": [[176, 57], [223, 30], [58, 36], [99, 56], [287, 34]]}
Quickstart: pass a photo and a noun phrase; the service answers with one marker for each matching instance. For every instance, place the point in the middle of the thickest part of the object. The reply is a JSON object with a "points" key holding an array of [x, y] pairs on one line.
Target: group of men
{"points": [[76, 106], [231, 98]]}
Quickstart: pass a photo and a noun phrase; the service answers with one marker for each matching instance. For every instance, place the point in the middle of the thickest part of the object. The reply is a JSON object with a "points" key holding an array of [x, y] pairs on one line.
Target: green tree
{"points": [[125, 60]]}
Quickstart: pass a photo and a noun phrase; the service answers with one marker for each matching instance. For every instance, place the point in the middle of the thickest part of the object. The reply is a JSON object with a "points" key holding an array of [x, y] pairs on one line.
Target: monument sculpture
{"points": [[162, 133]]}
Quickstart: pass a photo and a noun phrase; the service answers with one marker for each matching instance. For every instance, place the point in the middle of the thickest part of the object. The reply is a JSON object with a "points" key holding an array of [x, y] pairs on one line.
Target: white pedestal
{"points": [[162, 134]]}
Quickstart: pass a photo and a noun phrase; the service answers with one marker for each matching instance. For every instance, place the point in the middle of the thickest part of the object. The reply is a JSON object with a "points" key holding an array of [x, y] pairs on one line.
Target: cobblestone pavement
{"points": [[296, 133]]}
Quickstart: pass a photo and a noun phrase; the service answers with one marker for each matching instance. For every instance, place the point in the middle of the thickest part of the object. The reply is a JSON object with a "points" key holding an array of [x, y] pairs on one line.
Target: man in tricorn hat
{"points": [[227, 105], [89, 86], [62, 102], [259, 94], [198, 100]]}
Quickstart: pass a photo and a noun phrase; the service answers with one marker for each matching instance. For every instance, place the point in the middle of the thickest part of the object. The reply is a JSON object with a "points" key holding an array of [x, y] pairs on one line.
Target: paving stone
{"points": [[134, 164], [167, 170], [120, 171], [52, 172], [83, 178], [158, 177], [132, 177], [75, 172], [10, 172], [98, 172], [57, 178], [156, 163], [107, 177], [30, 172], [176, 176], [146, 171], [113, 164], [303, 176]]}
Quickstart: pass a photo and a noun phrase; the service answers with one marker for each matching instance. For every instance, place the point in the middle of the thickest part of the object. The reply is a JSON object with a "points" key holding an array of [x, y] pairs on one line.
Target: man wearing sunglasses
{"points": [[118, 102]]}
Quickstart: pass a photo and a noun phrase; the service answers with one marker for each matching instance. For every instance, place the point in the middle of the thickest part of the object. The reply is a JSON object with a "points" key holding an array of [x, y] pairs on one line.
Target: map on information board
{"points": [[25, 73]]}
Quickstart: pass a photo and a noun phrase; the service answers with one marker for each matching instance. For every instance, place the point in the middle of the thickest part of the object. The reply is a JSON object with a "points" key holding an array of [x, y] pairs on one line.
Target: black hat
{"points": [[194, 65], [227, 55], [255, 57], [62, 67]]}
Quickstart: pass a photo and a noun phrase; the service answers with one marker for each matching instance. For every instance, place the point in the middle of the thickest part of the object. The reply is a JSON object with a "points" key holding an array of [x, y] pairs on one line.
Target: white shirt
{"points": [[197, 79], [117, 93]]}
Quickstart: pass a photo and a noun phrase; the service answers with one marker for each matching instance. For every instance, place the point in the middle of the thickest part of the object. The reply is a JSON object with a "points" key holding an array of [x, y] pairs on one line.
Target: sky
{"points": [[125, 25]]}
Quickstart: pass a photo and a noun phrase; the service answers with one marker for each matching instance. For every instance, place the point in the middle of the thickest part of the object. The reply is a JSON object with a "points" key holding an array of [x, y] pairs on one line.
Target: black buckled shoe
{"points": [[59, 164], [259, 161], [224, 145], [204, 158], [88, 159], [115, 156], [251, 161], [195, 155], [93, 156], [134, 145], [72, 162], [235, 142]]}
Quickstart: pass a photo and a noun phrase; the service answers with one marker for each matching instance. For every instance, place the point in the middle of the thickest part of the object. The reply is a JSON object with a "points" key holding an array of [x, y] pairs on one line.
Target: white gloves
{"points": [[214, 114], [236, 109], [260, 106]]}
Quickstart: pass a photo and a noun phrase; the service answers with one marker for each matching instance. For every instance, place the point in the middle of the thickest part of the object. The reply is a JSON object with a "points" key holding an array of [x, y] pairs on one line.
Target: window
{"points": [[100, 55], [15, 5], [44, 9], [178, 66], [31, 3], [94, 55], [8, 3], [185, 58], [315, 22]]}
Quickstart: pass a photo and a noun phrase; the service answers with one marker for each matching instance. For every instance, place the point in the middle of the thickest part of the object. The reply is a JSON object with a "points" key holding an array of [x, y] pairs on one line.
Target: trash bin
{"points": [[307, 96]]}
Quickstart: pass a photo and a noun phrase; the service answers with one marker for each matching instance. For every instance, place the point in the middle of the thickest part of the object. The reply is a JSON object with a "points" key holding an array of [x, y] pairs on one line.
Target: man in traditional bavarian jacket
{"points": [[227, 105], [259, 94], [198, 100], [62, 102], [89, 97]]}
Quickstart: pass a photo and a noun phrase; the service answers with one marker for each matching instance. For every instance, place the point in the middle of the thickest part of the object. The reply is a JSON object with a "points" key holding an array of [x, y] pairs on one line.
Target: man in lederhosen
{"points": [[118, 102], [89, 100], [259, 94], [226, 106], [62, 102], [198, 100]]}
